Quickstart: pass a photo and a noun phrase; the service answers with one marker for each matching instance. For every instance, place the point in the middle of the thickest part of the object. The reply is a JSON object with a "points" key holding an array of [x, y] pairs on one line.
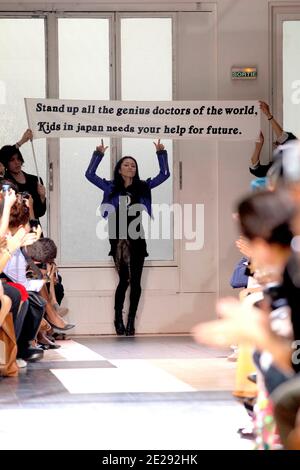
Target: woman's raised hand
{"points": [[51, 270], [101, 147], [243, 245], [10, 197], [159, 146], [31, 237], [265, 108], [25, 137], [14, 242]]}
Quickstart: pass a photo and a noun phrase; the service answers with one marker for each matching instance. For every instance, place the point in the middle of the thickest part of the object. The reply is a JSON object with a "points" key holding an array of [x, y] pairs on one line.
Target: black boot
{"points": [[119, 325], [130, 330]]}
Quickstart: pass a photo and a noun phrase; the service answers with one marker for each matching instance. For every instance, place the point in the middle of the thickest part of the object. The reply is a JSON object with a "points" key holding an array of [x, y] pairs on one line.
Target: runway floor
{"points": [[108, 392]]}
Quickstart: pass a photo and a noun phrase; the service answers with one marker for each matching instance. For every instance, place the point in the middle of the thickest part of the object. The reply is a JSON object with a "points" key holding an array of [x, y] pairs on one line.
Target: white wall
{"points": [[291, 76], [242, 38]]}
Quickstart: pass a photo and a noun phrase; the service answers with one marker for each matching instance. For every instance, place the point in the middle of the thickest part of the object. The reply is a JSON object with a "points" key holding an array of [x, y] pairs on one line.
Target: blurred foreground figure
{"points": [[266, 219]]}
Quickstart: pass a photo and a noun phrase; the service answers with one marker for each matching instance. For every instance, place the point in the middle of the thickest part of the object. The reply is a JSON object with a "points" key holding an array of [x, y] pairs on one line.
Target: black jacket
{"points": [[30, 186]]}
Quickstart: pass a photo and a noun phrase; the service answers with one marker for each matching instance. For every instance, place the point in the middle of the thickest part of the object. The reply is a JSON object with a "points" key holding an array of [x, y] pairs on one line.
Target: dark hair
{"points": [[43, 250], [19, 214], [118, 180], [267, 215], [11, 184], [7, 152], [118, 183]]}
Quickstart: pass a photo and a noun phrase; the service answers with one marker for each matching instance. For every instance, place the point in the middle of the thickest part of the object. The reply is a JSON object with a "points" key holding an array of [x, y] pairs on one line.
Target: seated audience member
{"points": [[15, 271], [43, 254], [19, 214]]}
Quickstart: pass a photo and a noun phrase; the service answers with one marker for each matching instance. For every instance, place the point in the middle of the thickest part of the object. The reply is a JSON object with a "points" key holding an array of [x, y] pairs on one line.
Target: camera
{"points": [[5, 188], [25, 195], [34, 223]]}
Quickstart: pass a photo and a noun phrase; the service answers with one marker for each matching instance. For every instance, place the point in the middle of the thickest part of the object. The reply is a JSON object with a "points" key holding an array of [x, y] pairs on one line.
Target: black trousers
{"points": [[130, 275], [32, 321], [15, 298]]}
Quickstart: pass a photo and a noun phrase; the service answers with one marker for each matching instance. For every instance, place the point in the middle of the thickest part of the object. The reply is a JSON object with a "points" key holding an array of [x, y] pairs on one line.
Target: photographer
{"points": [[41, 259], [12, 159]]}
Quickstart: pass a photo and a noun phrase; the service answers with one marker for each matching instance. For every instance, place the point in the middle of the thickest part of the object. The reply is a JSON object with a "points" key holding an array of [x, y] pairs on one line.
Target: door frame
{"points": [[278, 14]]}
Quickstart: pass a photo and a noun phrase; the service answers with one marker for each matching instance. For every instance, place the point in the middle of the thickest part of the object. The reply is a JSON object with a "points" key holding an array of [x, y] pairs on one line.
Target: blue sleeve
{"points": [[164, 172], [239, 278], [90, 173]]}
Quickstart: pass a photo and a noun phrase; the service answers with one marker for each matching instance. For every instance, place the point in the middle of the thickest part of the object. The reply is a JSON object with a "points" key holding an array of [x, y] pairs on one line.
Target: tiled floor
{"points": [[155, 392]]}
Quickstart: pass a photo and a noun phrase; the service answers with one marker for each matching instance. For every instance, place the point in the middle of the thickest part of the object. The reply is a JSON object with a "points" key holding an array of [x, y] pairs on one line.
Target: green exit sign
{"points": [[243, 73]]}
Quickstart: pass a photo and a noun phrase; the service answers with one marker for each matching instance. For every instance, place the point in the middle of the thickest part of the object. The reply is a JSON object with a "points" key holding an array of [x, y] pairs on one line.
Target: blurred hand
{"points": [[10, 198], [101, 147], [159, 146], [248, 290], [3, 242], [241, 323], [16, 241], [41, 191], [29, 239], [267, 275], [22, 238], [244, 247]]}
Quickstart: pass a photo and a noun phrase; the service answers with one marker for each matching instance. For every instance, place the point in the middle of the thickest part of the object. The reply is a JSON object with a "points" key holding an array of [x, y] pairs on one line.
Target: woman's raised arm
{"points": [[90, 173], [164, 171]]}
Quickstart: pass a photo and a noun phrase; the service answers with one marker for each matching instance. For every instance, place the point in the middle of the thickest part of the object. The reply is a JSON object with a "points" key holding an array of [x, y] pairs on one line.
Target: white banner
{"points": [[202, 120]]}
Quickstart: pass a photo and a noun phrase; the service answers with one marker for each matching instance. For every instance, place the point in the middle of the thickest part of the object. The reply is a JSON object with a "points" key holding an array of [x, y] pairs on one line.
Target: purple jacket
{"points": [[107, 185]]}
